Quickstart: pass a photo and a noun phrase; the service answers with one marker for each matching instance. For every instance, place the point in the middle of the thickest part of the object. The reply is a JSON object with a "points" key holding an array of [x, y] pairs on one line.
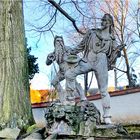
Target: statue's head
{"points": [[59, 112], [59, 48], [107, 21], [58, 40]]}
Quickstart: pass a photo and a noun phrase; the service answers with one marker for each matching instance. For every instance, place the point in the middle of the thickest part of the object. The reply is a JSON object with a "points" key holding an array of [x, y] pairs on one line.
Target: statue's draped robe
{"points": [[94, 43]]}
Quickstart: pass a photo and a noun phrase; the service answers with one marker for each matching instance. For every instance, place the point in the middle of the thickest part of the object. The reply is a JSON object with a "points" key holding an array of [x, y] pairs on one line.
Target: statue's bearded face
{"points": [[58, 41], [59, 49], [106, 21]]}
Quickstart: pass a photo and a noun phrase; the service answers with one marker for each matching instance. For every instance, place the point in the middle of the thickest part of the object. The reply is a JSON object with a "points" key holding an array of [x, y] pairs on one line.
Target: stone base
{"points": [[72, 119], [82, 121], [112, 131], [101, 132]]}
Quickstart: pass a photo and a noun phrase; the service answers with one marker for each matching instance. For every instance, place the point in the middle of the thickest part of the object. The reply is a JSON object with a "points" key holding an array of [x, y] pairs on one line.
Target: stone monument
{"points": [[60, 54], [67, 117], [100, 54]]}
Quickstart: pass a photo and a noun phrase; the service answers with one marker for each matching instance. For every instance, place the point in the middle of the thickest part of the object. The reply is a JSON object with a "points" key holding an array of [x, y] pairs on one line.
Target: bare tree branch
{"points": [[119, 69], [138, 24], [66, 15]]}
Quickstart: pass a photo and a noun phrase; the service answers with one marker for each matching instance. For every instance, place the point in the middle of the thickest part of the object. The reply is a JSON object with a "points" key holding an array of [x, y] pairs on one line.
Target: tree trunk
{"points": [[15, 107], [115, 77], [127, 68]]}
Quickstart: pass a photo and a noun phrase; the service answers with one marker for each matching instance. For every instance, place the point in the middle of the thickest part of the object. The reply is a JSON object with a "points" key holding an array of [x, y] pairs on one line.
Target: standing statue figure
{"points": [[100, 53], [59, 55]]}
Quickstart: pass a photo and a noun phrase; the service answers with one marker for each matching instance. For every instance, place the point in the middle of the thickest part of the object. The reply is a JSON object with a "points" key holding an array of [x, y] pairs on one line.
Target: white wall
{"points": [[124, 108], [38, 114]]}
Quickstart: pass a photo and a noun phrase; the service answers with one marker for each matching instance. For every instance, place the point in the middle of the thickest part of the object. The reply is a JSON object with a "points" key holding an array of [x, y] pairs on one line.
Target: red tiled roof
{"points": [[95, 97]]}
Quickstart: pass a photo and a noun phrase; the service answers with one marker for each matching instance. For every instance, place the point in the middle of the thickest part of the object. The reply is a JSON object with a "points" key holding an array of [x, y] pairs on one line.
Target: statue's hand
{"points": [[72, 51], [120, 47], [50, 58], [119, 54]]}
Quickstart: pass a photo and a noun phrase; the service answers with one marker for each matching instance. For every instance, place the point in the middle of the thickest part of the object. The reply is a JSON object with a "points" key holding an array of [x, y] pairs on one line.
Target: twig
{"points": [[57, 6]]}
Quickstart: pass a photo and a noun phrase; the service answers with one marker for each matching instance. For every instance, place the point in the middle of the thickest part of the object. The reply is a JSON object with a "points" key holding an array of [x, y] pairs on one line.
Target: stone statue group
{"points": [[100, 52]]}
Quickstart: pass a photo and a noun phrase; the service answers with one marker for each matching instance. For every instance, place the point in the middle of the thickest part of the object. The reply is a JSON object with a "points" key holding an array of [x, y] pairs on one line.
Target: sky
{"points": [[40, 49], [45, 46]]}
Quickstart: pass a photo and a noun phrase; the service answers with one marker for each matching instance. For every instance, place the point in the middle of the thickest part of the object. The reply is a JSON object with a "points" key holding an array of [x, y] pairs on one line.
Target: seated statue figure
{"points": [[99, 55], [59, 55]]}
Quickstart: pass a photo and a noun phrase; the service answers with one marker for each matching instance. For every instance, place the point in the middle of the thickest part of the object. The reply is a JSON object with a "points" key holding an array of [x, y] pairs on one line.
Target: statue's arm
{"points": [[50, 58]]}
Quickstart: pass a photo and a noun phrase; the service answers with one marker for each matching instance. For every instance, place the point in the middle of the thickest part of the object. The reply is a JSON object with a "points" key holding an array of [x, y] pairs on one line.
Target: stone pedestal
{"points": [[80, 121]]}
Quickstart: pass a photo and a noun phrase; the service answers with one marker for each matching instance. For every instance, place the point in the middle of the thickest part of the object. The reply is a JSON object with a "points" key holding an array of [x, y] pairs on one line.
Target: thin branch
{"points": [[66, 15], [119, 69], [77, 8], [138, 25]]}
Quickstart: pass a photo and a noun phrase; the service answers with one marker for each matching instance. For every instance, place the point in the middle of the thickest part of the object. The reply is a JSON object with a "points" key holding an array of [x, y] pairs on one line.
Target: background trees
{"points": [[15, 108], [32, 64]]}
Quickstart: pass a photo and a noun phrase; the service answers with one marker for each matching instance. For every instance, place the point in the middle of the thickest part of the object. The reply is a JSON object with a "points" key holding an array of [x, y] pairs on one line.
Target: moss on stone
{"points": [[31, 128], [133, 129]]}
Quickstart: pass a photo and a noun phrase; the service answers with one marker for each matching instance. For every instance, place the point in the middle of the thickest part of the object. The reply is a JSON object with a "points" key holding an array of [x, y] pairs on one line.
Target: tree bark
{"points": [[127, 68], [15, 107]]}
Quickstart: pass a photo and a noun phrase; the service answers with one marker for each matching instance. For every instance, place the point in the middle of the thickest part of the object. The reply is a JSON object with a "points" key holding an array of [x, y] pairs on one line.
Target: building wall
{"points": [[39, 116], [124, 108]]}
